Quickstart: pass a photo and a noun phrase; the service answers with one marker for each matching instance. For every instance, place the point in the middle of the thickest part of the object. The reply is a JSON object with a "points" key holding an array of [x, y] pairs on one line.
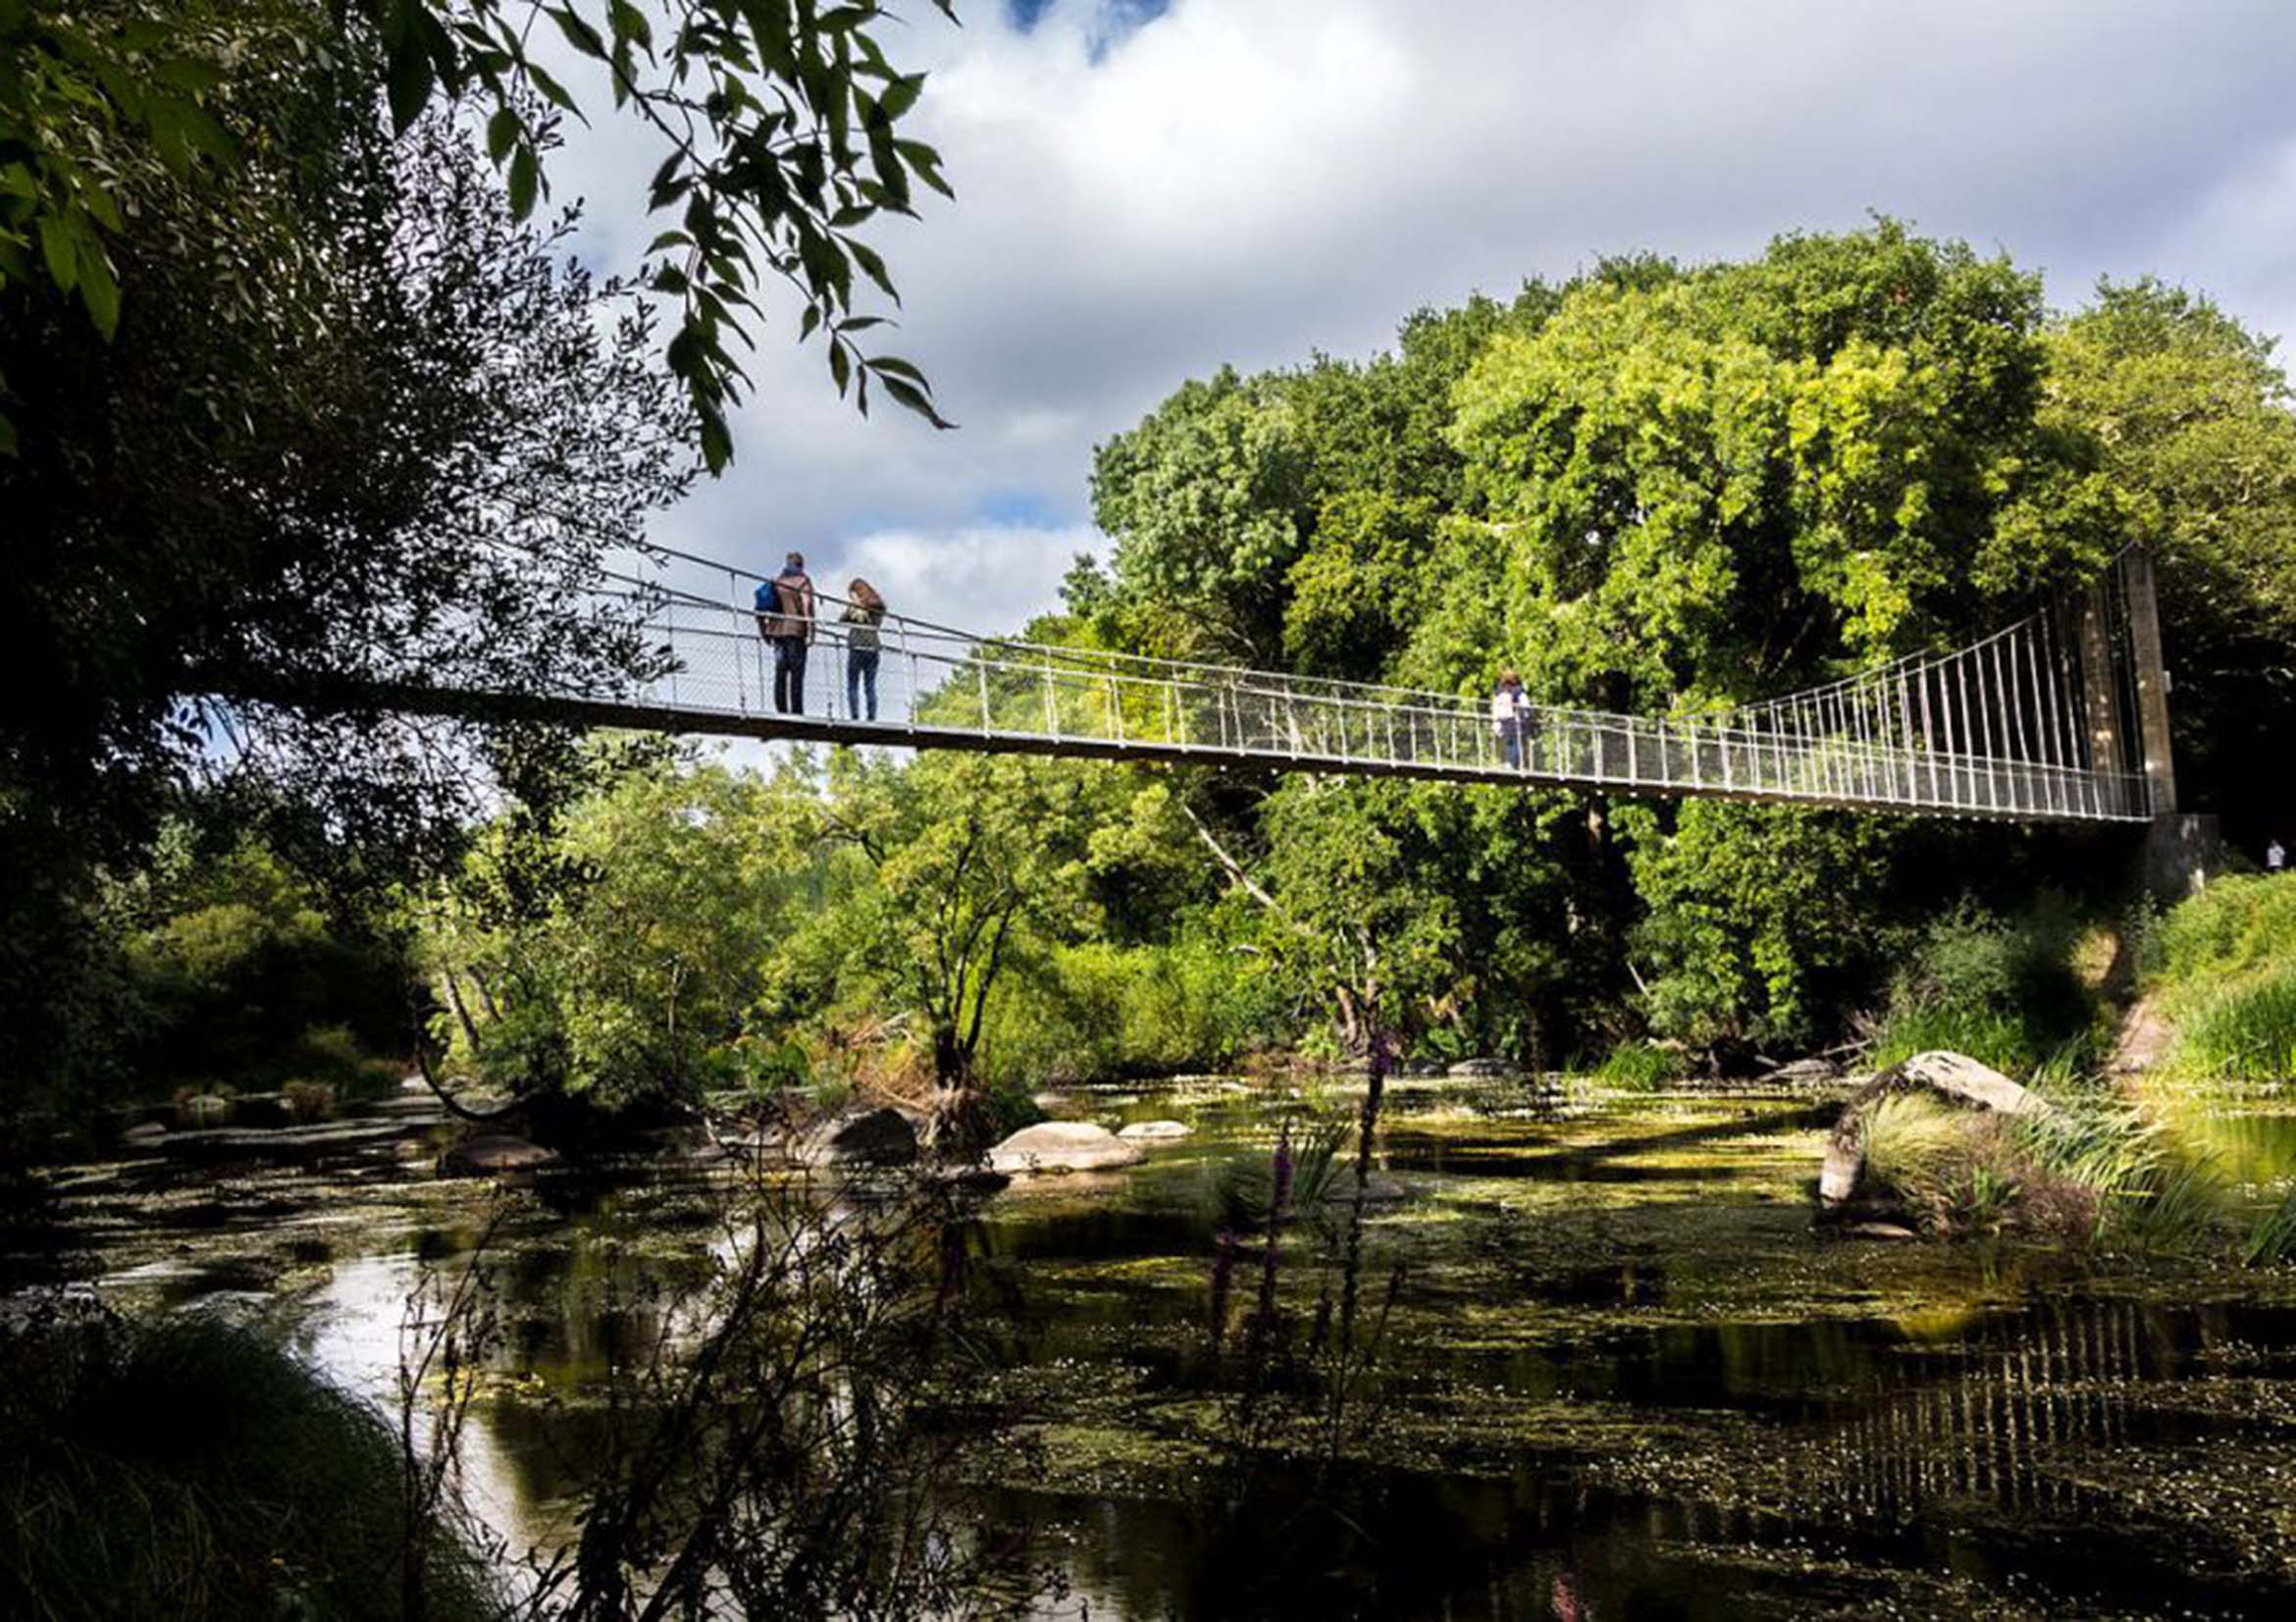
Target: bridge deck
{"points": [[940, 689]]}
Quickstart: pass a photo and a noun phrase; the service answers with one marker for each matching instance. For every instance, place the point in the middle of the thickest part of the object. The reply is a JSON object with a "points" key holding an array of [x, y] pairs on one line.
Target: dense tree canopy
{"points": [[777, 129], [1662, 488], [393, 447]]}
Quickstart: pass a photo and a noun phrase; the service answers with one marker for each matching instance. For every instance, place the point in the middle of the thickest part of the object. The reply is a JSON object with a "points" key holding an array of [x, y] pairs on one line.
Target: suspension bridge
{"points": [[2061, 717]]}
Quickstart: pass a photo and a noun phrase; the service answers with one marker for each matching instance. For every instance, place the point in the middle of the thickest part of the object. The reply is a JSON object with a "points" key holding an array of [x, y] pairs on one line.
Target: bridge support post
{"points": [[2097, 697], [2152, 681]]}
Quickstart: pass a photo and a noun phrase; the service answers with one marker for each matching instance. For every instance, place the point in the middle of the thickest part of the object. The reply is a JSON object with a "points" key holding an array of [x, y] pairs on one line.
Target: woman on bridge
{"points": [[864, 611], [1508, 711]]}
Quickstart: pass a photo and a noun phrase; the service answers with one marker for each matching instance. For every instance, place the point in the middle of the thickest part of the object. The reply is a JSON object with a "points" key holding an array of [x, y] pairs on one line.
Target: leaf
{"points": [[524, 181], [60, 247], [630, 24], [553, 90], [410, 78], [840, 367], [578, 32], [716, 443], [926, 162], [872, 265], [900, 96], [99, 290], [915, 398], [502, 135]]}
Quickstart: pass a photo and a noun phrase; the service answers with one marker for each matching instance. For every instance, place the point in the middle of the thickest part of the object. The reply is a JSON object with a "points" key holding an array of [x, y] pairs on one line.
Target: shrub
{"points": [[308, 1100], [189, 1469], [1102, 1010], [328, 1053], [378, 1077], [2002, 992]]}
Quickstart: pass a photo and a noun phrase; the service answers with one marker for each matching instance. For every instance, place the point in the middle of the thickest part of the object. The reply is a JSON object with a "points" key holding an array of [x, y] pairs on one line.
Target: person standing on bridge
{"points": [[785, 618], [864, 611], [1509, 709]]}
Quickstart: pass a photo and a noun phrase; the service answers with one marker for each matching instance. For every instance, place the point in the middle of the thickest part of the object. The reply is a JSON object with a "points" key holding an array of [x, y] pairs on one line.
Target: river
{"points": [[1617, 1374]]}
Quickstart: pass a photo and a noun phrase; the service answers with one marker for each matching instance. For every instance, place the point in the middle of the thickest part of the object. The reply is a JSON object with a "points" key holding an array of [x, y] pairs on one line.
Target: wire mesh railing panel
{"points": [[1917, 737]]}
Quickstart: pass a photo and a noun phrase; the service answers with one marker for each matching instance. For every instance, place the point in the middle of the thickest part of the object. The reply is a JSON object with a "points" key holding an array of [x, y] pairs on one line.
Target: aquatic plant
{"points": [[2274, 1237], [2146, 1190], [1240, 1191], [1952, 1166], [2083, 1170]]}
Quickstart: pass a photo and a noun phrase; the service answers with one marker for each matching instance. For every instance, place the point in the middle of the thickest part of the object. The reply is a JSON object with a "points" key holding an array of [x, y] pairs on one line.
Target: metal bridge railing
{"points": [[938, 687]]}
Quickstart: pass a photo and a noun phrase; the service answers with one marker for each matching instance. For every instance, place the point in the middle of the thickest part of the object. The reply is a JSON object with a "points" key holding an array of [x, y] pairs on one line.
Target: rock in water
{"points": [[1955, 1077], [1503, 1069], [205, 1108], [1062, 1146], [145, 1135], [1151, 1132], [867, 1137], [492, 1153]]}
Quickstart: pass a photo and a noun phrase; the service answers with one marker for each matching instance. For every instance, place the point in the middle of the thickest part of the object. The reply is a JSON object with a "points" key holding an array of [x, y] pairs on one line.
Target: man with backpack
{"points": [[785, 618]]}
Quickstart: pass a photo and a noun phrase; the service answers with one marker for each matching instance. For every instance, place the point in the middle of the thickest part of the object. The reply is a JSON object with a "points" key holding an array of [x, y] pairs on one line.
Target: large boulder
{"points": [[861, 1137], [489, 1154], [1062, 1146], [1154, 1131], [1804, 1073], [204, 1109], [1955, 1077]]}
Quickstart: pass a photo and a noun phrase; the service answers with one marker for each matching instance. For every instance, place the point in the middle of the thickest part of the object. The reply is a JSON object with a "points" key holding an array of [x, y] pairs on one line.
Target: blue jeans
{"points": [[1511, 741], [860, 678], [789, 674]]}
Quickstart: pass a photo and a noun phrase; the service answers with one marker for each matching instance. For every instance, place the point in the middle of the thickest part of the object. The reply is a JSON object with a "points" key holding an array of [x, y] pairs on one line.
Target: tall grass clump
{"points": [[2227, 980], [2002, 990], [2145, 1191], [1640, 1066], [2085, 1171], [189, 1469]]}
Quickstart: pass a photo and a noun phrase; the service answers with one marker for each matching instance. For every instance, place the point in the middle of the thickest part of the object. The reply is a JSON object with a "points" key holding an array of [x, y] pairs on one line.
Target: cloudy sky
{"points": [[1146, 190]]}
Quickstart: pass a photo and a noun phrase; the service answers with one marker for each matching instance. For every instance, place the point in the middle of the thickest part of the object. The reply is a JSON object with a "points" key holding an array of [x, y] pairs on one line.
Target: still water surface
{"points": [[1619, 1375]]}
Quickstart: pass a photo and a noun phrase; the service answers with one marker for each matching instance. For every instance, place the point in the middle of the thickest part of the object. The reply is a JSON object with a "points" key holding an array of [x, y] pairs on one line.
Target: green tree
{"points": [[2191, 417], [393, 449], [633, 985], [777, 127], [951, 871]]}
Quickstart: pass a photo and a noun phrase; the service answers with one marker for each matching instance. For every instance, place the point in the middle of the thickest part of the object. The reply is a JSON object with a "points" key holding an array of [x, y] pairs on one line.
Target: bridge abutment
{"points": [[2182, 851]]}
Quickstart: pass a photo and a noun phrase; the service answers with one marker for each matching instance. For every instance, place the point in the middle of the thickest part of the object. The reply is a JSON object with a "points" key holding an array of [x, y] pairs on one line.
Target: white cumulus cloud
{"points": [[1251, 181]]}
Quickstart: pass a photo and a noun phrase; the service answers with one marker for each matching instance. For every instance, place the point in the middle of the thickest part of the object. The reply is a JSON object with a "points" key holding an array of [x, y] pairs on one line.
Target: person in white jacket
{"points": [[1509, 711]]}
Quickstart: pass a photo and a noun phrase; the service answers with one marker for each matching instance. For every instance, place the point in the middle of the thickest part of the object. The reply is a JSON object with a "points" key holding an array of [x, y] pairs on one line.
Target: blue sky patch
{"points": [[1116, 19]]}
